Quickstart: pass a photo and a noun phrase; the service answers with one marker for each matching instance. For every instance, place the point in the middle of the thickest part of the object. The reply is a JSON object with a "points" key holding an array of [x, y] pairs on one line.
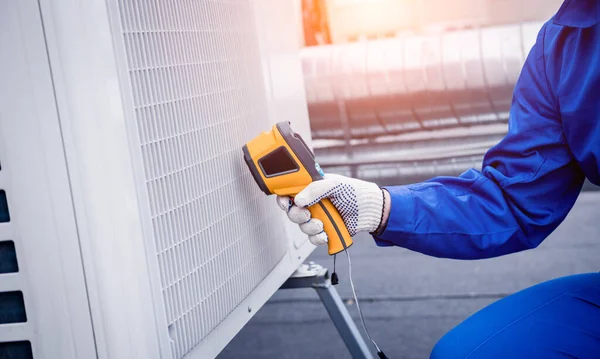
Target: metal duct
{"points": [[410, 157], [410, 147], [384, 87], [390, 174]]}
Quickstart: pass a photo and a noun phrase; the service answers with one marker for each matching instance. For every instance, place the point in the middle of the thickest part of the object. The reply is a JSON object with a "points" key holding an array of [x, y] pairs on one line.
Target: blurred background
{"points": [[400, 91]]}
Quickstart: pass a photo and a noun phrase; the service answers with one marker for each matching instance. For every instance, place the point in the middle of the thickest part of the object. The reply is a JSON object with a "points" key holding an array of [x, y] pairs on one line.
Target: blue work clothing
{"points": [[556, 319], [528, 184], [530, 180]]}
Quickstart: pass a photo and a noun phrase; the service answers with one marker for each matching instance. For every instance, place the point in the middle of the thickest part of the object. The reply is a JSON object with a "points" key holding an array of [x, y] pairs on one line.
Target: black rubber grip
{"points": [[334, 225]]}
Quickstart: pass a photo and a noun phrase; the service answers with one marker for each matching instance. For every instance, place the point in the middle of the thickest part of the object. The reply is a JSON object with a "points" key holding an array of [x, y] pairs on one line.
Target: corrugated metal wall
{"points": [[410, 108], [385, 87]]}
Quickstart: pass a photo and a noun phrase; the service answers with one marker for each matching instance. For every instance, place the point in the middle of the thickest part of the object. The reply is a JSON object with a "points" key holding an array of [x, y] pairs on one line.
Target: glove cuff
{"points": [[370, 207]]}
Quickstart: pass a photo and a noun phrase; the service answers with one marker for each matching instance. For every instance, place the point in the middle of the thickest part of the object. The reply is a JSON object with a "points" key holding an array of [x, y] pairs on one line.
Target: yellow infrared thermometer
{"points": [[282, 164]]}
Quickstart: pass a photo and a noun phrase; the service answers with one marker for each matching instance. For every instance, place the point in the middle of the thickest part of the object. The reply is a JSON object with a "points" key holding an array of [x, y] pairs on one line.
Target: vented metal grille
{"points": [[199, 96]]}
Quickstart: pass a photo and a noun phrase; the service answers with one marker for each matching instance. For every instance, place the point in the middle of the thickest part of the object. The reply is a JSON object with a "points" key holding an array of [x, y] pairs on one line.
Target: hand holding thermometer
{"points": [[282, 164]]}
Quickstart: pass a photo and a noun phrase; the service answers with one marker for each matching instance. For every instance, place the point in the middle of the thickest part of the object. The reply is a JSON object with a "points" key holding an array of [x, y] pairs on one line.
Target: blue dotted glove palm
{"points": [[360, 204]]}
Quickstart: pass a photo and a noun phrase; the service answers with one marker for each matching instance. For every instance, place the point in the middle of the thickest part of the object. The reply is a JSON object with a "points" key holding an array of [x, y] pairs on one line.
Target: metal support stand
{"points": [[315, 276]]}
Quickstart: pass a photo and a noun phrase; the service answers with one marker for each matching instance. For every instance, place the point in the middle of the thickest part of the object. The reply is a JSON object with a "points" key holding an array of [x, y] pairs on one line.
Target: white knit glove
{"points": [[360, 204]]}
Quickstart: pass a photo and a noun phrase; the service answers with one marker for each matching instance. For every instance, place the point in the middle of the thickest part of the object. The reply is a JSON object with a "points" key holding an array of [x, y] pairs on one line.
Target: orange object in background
{"points": [[315, 23]]}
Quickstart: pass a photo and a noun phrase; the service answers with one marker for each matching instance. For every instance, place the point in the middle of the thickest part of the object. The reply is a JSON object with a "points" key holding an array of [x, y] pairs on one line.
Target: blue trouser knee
{"points": [[555, 319]]}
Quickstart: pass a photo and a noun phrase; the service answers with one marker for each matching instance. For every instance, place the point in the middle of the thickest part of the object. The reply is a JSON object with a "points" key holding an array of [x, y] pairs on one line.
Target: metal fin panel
{"points": [[199, 95]]}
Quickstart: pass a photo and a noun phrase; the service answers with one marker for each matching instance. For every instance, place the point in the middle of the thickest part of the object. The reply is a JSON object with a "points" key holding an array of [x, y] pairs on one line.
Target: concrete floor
{"points": [[411, 300]]}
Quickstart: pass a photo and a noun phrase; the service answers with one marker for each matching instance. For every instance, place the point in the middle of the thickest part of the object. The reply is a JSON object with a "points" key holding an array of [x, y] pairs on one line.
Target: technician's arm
{"points": [[528, 184]]}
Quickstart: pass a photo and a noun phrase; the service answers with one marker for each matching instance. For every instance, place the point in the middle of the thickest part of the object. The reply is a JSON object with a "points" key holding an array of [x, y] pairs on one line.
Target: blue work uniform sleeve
{"points": [[528, 183]]}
